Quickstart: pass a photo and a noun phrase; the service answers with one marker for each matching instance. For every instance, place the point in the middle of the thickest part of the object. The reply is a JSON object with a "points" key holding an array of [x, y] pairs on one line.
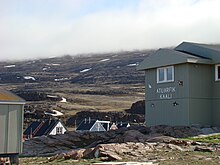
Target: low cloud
{"points": [[148, 24]]}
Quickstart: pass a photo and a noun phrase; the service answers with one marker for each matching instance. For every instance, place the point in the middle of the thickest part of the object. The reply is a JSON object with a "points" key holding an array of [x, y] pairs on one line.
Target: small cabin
{"points": [[11, 125], [182, 85], [44, 128], [119, 125], [91, 125]]}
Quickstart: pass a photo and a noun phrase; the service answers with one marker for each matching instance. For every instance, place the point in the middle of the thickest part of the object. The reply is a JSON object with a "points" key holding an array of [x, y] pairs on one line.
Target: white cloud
{"points": [[152, 24]]}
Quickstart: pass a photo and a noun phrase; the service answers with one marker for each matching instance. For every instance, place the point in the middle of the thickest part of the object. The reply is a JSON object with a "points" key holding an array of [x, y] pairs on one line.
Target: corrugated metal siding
{"points": [[11, 122], [13, 129], [3, 128]]}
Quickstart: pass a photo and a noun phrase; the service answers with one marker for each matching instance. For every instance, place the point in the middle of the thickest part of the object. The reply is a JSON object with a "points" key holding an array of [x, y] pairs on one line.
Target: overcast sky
{"points": [[45, 28]]}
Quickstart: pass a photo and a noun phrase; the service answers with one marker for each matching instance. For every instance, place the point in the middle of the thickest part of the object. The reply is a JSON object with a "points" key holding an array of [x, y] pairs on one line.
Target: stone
{"points": [[174, 147], [101, 151], [207, 131], [203, 149], [161, 139], [133, 136], [88, 153]]}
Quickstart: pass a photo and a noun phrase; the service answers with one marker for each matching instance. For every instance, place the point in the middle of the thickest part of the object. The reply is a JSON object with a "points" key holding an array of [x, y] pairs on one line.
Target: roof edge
{"points": [[13, 102]]}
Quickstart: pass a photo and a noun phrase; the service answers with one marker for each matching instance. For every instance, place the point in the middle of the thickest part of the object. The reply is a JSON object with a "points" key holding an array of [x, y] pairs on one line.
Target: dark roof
{"points": [[214, 47], [7, 96], [86, 125], [106, 126], [47, 127], [39, 128], [121, 125], [209, 51], [32, 127], [185, 52]]}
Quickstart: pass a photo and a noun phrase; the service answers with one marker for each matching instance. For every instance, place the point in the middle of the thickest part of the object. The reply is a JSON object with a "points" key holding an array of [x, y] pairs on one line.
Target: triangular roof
{"points": [[39, 128], [32, 127], [123, 124], [9, 97], [86, 125], [166, 57], [47, 127]]}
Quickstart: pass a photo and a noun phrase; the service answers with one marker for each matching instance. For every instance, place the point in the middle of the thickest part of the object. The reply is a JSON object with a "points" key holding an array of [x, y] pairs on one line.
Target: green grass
{"points": [[207, 139]]}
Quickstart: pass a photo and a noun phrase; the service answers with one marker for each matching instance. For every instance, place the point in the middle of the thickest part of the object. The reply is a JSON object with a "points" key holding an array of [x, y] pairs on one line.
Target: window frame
{"points": [[165, 80], [59, 130], [216, 72]]}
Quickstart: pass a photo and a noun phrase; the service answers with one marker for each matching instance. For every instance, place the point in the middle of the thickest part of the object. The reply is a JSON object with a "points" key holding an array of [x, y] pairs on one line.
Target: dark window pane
{"points": [[169, 74], [218, 72], [161, 74]]}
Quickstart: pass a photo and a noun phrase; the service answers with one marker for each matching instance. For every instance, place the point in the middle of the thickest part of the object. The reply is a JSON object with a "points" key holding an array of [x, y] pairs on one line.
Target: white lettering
{"points": [[166, 90], [166, 93], [166, 96]]}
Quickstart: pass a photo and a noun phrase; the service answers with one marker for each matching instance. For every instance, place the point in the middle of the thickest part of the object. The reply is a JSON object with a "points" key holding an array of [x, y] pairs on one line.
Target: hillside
{"points": [[89, 82], [109, 68]]}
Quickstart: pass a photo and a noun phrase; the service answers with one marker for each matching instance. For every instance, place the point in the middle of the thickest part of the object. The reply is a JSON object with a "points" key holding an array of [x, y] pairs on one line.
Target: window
{"points": [[217, 72], [165, 74], [59, 130]]}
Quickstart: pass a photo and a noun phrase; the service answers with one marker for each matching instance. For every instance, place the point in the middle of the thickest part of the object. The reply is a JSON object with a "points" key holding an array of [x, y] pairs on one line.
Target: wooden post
{"points": [[14, 159]]}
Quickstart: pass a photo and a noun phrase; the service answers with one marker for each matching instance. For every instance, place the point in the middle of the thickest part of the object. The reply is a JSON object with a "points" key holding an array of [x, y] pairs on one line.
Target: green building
{"points": [[11, 125], [183, 85]]}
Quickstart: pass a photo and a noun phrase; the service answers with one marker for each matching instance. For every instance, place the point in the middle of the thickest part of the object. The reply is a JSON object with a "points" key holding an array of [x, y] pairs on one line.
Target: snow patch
{"points": [[55, 113], [53, 64], [29, 78], [85, 70], [135, 64], [61, 79], [9, 66], [51, 96], [63, 100], [103, 60], [52, 57]]}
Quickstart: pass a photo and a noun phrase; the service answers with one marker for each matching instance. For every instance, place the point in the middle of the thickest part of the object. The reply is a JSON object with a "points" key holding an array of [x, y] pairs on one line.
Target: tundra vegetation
{"points": [[104, 86]]}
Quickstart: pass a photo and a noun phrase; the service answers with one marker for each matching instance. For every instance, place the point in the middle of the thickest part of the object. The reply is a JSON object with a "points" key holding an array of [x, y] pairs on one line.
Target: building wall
{"points": [[97, 127], [200, 94], [186, 101], [167, 103], [54, 132], [216, 99], [11, 128]]}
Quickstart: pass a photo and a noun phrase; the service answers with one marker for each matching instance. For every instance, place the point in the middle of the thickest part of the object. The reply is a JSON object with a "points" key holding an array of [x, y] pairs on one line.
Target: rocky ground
{"points": [[159, 144], [107, 86], [107, 82]]}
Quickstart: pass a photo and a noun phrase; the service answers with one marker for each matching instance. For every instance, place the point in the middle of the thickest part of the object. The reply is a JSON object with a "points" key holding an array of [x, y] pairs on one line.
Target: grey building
{"points": [[11, 125], [183, 85]]}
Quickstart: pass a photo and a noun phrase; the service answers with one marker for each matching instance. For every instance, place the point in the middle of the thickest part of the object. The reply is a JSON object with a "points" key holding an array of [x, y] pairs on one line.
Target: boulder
{"points": [[133, 136], [204, 149], [107, 151]]}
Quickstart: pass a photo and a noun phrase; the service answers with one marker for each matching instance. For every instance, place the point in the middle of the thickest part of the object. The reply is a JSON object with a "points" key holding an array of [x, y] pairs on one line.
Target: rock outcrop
{"points": [[137, 108], [114, 144]]}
